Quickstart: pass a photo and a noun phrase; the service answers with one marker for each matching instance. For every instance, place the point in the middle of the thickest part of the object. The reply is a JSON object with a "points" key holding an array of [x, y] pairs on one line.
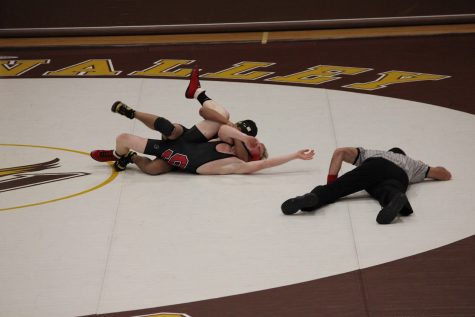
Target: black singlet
{"points": [[188, 156]]}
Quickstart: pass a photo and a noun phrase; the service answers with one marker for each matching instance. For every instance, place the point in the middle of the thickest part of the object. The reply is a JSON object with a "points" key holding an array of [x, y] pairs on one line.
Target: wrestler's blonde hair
{"points": [[264, 154]]}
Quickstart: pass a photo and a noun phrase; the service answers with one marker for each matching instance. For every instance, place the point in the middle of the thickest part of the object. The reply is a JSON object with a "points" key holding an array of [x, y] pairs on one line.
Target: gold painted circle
{"points": [[111, 177]]}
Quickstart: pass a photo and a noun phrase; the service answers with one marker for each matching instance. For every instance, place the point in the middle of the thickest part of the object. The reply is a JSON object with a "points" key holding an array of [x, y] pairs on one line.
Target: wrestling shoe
{"points": [[194, 83], [388, 213], [314, 207], [121, 108], [122, 163], [292, 205], [104, 155], [406, 210]]}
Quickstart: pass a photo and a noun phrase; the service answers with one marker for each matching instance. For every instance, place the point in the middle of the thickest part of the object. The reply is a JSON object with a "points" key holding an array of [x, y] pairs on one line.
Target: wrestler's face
{"points": [[259, 152]]}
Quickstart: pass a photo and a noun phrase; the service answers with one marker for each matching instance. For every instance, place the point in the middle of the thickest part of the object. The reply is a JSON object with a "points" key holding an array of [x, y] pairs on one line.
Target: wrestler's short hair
{"points": [[397, 150], [248, 127]]}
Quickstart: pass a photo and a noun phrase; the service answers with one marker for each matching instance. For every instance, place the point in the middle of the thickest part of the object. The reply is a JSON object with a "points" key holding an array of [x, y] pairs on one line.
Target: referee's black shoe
{"points": [[292, 205], [406, 210], [390, 211]]}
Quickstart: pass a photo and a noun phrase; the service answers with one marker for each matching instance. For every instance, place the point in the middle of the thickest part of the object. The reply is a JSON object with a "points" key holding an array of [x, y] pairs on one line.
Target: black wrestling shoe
{"points": [[121, 108], [292, 205], [406, 210], [122, 163], [313, 208], [388, 213]]}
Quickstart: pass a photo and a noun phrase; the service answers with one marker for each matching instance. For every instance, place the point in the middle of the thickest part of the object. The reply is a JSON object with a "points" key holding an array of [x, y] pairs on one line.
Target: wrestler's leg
{"points": [[151, 167], [126, 142], [215, 115], [127, 145], [211, 109], [170, 130], [194, 91], [203, 131]]}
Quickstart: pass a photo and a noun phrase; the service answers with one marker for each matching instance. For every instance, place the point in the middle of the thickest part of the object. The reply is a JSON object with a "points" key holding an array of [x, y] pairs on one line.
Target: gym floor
{"points": [[78, 239]]}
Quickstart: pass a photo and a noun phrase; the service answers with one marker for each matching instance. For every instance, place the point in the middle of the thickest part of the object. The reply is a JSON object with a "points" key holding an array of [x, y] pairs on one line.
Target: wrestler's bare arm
{"points": [[227, 134], [233, 165]]}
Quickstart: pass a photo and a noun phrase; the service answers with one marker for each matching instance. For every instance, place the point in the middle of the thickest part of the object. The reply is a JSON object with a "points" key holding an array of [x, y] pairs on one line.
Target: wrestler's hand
{"points": [[305, 154]]}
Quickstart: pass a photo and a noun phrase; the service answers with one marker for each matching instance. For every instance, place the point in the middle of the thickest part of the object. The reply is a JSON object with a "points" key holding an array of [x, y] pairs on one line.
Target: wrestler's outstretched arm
{"points": [[235, 166]]}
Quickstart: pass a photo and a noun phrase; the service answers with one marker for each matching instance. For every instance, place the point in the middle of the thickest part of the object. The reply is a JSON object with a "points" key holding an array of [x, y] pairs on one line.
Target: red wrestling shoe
{"points": [[104, 155], [194, 83]]}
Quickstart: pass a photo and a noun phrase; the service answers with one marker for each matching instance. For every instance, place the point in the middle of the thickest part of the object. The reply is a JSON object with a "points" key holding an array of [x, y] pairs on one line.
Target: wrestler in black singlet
{"points": [[188, 153]]}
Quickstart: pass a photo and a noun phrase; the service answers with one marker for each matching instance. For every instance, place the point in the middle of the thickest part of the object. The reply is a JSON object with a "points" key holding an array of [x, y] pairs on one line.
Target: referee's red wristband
{"points": [[331, 178]]}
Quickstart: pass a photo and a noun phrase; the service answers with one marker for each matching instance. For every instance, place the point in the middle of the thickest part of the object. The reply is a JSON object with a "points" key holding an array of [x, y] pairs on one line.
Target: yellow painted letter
{"points": [[162, 69], [319, 74], [92, 67], [12, 68], [241, 71], [394, 77]]}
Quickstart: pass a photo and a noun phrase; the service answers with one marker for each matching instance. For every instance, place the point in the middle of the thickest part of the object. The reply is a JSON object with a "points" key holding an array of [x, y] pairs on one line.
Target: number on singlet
{"points": [[175, 159]]}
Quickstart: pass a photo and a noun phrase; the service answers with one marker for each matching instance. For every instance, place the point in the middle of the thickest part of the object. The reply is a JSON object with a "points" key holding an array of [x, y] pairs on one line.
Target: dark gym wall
{"points": [[93, 17]]}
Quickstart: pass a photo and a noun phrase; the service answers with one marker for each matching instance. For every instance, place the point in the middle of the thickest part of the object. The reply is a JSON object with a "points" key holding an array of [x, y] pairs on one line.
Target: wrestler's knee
{"points": [[176, 132], [216, 107], [123, 138], [131, 141]]}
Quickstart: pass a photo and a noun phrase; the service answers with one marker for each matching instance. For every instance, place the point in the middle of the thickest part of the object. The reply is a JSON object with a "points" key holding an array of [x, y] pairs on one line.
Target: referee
{"points": [[385, 175]]}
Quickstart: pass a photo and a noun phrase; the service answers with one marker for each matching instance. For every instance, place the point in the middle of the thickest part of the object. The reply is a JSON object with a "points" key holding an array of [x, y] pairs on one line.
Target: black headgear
{"points": [[397, 150], [248, 127]]}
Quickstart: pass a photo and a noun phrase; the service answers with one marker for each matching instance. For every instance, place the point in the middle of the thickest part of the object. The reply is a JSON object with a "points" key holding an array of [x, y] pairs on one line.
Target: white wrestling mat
{"points": [[84, 240]]}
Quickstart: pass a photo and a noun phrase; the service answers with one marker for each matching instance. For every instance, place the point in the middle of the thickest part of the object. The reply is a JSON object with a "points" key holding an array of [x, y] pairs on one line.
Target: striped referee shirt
{"points": [[416, 170]]}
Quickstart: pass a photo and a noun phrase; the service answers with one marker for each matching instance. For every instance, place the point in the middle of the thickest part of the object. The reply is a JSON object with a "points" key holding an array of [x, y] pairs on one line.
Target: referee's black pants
{"points": [[381, 178]]}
